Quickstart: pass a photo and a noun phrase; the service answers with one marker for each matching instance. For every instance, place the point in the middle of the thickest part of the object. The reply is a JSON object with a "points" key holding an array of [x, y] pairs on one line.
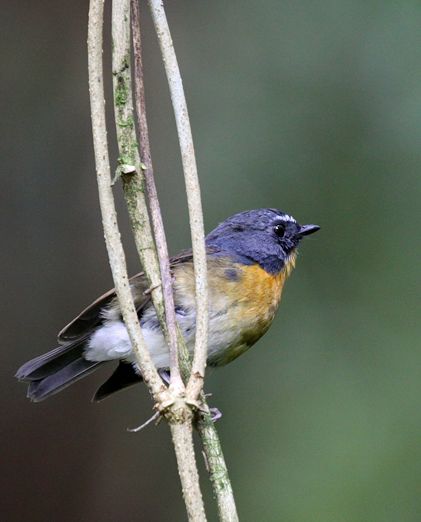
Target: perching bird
{"points": [[249, 257]]}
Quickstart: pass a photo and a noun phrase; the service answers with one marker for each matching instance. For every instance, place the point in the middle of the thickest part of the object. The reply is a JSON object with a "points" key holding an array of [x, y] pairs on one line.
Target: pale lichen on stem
{"points": [[217, 468], [129, 166]]}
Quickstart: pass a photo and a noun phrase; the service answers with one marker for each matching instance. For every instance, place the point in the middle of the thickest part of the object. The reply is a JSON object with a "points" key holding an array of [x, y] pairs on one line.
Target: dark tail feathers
{"points": [[52, 372], [124, 376]]}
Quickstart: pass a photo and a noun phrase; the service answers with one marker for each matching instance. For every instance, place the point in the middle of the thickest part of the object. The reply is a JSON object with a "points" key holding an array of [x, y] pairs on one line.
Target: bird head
{"points": [[266, 236]]}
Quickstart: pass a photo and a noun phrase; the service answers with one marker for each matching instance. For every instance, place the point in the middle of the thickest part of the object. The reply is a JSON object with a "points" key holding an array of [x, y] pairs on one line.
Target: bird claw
{"points": [[165, 376], [215, 414]]}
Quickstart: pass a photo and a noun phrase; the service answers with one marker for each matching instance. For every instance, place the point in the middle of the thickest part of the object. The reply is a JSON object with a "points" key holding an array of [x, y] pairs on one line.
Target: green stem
{"points": [[129, 166]]}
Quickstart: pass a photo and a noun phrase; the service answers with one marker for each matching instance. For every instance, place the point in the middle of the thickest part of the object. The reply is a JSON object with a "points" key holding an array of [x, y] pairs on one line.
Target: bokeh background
{"points": [[312, 107]]}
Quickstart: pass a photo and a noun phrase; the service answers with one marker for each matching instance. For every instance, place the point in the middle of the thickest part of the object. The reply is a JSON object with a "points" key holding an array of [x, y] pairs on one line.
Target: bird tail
{"points": [[52, 372]]}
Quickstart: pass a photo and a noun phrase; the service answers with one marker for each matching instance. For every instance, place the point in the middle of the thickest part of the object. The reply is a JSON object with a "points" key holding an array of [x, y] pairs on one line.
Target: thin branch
{"points": [[155, 416], [182, 432], [217, 468], [195, 383], [109, 216], [131, 170], [156, 216], [187, 469], [177, 412], [212, 447]]}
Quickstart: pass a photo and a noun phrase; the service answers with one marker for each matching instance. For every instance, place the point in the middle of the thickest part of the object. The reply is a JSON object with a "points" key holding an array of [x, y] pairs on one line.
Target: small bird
{"points": [[249, 257]]}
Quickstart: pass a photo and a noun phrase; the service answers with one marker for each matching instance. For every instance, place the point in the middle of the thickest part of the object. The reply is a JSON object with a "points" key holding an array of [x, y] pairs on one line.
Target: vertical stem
{"points": [[109, 216], [181, 426], [218, 471], [183, 442], [195, 383], [132, 172], [179, 415], [155, 210], [211, 444]]}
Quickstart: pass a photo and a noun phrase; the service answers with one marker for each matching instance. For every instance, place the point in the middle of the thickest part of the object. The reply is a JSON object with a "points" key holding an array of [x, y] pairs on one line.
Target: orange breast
{"points": [[260, 296], [243, 300], [252, 300]]}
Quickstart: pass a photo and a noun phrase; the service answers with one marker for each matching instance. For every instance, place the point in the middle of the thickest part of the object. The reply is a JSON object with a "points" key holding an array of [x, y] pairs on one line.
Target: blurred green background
{"points": [[311, 107]]}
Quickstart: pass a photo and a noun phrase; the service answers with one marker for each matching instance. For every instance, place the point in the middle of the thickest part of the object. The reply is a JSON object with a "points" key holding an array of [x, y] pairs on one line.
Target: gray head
{"points": [[264, 236]]}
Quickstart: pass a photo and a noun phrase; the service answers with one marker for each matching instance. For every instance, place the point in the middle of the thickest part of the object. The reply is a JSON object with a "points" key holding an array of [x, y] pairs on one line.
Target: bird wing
{"points": [[91, 317]]}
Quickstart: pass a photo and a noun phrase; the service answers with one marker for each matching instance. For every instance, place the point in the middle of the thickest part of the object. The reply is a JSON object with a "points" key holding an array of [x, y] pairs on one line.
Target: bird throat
{"points": [[262, 291]]}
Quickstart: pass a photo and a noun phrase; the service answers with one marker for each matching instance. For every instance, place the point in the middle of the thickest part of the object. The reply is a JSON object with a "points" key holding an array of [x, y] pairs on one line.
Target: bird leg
{"points": [[215, 413]]}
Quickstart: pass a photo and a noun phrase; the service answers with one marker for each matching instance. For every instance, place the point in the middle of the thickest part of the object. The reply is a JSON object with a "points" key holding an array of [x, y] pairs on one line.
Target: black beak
{"points": [[306, 230]]}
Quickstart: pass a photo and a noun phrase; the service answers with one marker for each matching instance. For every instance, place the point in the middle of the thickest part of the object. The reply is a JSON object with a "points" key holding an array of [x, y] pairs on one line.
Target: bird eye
{"points": [[279, 229]]}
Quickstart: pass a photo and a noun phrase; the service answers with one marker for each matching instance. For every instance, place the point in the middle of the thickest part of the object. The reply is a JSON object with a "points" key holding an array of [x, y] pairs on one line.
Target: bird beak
{"points": [[306, 230]]}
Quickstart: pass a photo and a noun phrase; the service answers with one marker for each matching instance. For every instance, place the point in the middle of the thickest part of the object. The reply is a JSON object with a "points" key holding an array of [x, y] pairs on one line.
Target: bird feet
{"points": [[215, 413]]}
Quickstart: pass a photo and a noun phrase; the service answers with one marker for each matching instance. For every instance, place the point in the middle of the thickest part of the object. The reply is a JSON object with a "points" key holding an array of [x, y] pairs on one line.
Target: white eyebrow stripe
{"points": [[286, 217]]}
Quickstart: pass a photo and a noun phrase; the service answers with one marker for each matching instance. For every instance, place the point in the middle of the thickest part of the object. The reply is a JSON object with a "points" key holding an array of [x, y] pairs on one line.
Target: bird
{"points": [[249, 257]]}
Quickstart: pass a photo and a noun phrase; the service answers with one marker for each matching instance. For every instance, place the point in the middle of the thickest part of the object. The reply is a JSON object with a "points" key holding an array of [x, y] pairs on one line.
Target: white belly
{"points": [[111, 341]]}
